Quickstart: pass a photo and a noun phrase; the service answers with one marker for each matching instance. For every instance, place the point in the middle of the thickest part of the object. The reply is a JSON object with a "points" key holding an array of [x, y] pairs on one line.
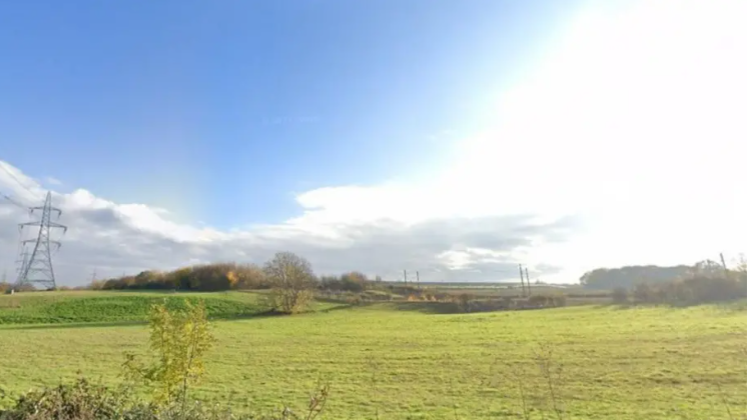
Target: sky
{"points": [[457, 139]]}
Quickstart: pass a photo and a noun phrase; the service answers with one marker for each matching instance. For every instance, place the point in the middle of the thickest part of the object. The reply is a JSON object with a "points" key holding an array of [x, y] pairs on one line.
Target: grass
{"points": [[117, 307], [653, 363]]}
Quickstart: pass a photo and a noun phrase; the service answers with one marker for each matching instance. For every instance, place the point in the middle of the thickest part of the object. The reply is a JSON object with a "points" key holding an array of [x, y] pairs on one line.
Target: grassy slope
{"points": [[117, 307], [72, 307], [618, 364]]}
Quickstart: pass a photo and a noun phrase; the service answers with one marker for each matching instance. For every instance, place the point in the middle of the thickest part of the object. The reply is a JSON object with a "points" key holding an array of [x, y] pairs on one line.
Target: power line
{"points": [[15, 202], [2, 165]]}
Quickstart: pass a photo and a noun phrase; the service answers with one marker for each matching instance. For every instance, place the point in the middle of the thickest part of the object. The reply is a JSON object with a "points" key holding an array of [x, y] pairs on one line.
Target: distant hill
{"points": [[629, 276]]}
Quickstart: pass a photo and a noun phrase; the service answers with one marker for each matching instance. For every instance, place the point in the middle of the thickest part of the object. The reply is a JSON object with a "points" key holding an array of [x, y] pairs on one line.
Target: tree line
{"points": [[706, 282], [630, 276], [690, 291], [228, 276]]}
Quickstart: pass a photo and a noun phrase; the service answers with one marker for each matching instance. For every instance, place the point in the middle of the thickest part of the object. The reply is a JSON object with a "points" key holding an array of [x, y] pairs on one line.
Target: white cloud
{"points": [[53, 181], [623, 145], [340, 229]]}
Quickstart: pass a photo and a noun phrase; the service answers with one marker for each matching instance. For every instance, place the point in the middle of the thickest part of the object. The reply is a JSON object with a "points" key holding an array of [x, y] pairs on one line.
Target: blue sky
{"points": [[222, 111], [453, 138]]}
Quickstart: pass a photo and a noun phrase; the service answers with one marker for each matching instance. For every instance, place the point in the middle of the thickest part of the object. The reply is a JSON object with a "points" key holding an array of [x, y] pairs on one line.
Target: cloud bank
{"points": [[126, 238]]}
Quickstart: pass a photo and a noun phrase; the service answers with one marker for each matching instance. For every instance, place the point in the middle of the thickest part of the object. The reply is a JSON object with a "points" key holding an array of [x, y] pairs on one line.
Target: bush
{"points": [[697, 289], [81, 400], [330, 283], [347, 282], [96, 285], [620, 295], [430, 297], [402, 289], [701, 289], [465, 302], [353, 282], [643, 293], [538, 300], [547, 301]]}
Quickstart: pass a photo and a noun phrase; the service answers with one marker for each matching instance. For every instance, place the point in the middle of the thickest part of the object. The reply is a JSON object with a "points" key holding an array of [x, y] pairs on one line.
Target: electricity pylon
{"points": [[23, 258], [37, 267]]}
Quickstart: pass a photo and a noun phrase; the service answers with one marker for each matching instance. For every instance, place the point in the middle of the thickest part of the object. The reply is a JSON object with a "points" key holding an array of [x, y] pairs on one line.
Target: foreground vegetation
{"points": [[392, 361]]}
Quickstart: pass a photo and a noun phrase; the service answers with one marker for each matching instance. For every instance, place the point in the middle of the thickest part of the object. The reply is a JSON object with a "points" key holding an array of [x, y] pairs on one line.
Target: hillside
{"points": [[117, 307]]}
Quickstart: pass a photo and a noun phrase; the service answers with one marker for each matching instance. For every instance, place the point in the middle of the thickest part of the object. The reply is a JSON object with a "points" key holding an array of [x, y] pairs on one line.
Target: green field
{"points": [[85, 307], [121, 307], [395, 359]]}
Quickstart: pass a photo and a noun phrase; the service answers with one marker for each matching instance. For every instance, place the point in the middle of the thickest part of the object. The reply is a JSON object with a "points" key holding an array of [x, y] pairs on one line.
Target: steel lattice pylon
{"points": [[36, 268]]}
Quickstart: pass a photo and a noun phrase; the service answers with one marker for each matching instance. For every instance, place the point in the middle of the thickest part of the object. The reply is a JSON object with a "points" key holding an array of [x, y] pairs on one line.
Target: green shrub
{"points": [[80, 400], [178, 342]]}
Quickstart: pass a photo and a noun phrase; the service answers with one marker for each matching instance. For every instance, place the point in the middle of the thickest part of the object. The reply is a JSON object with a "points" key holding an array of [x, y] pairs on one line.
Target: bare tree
{"points": [[292, 281]]}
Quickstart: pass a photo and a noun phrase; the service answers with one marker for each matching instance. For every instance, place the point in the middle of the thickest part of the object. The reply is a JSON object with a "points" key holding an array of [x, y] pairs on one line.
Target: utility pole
{"points": [[405, 271], [37, 266], [417, 278], [521, 275], [529, 287], [723, 262]]}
